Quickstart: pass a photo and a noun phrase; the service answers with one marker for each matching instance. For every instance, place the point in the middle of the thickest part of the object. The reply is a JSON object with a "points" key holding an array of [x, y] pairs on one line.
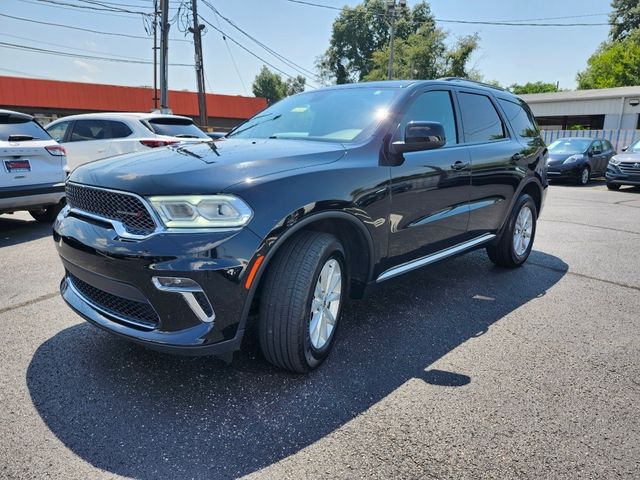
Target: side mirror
{"points": [[420, 136], [625, 148]]}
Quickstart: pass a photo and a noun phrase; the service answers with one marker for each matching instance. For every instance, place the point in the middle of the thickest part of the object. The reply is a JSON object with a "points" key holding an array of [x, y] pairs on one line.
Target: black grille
{"points": [[630, 167], [125, 208], [137, 312]]}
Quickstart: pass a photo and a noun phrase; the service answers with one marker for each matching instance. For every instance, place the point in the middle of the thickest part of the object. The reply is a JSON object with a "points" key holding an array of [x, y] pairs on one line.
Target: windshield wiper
{"points": [[232, 133]]}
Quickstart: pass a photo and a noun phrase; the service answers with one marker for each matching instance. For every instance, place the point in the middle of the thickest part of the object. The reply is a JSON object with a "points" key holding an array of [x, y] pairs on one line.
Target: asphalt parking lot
{"points": [[458, 371]]}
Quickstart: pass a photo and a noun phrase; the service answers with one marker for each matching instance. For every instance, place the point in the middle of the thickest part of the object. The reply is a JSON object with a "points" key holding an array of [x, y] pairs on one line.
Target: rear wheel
{"points": [[301, 301], [583, 176], [47, 214], [516, 242], [613, 186]]}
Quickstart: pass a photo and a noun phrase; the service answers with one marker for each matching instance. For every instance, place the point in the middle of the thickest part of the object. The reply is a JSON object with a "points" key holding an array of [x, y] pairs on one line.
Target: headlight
{"points": [[615, 161], [574, 159], [202, 211]]}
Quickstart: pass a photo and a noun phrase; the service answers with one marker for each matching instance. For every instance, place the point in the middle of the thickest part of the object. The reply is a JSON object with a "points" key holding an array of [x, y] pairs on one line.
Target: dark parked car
{"points": [[579, 159], [311, 201], [624, 169]]}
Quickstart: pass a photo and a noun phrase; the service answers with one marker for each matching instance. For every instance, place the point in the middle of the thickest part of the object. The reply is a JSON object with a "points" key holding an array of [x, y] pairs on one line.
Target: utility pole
{"points": [[164, 56], [393, 9], [155, 54], [197, 42]]}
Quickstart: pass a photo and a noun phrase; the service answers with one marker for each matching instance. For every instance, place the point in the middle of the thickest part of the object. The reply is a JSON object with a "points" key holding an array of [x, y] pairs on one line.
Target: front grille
{"points": [[123, 207], [139, 313], [630, 167]]}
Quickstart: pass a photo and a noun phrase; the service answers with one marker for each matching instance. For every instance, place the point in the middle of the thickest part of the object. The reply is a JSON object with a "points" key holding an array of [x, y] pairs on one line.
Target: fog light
{"points": [[192, 293]]}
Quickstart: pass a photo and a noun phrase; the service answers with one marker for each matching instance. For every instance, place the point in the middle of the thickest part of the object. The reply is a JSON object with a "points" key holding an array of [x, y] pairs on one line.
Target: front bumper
{"points": [[616, 176], [564, 172], [109, 282]]}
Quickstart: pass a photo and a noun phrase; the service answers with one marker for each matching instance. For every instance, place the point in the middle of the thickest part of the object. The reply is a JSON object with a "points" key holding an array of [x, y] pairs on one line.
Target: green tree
{"points": [[360, 38], [614, 64], [270, 85], [533, 87], [624, 19]]}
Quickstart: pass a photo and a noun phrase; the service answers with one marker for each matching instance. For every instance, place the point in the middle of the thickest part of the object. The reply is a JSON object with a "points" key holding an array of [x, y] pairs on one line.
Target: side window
{"points": [[58, 131], [89, 130], [520, 119], [118, 129], [607, 145], [597, 147], [433, 106], [480, 120]]}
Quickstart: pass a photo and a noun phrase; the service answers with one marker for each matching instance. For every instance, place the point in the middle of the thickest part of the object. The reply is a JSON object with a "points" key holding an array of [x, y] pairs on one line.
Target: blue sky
{"points": [[299, 32]]}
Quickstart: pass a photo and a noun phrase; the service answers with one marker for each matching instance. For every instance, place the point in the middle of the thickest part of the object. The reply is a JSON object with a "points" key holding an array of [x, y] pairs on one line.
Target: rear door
{"points": [[87, 141], [24, 160], [122, 139]]}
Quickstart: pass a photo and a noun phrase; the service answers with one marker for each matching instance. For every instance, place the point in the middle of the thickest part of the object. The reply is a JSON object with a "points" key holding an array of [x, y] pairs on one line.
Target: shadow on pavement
{"points": [[14, 231], [142, 414]]}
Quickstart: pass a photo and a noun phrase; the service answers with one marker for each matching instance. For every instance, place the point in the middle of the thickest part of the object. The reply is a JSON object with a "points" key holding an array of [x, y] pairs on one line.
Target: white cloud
{"points": [[86, 66]]}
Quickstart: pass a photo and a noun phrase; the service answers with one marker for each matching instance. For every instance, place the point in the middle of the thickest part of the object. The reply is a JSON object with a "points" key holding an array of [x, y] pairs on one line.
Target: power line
{"points": [[249, 51], [515, 23], [71, 27], [16, 46], [97, 6], [282, 58], [233, 60], [37, 2]]}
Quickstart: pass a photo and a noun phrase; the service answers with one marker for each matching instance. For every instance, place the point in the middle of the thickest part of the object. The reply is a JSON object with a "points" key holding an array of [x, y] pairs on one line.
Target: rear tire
{"points": [[613, 186], [293, 316], [583, 176], [47, 214], [516, 242]]}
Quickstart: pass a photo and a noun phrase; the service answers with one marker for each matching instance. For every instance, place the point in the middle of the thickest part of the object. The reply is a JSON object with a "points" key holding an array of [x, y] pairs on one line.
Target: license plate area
{"points": [[16, 166]]}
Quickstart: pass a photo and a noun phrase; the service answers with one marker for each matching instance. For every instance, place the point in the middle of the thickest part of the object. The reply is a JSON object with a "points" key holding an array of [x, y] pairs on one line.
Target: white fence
{"points": [[618, 138]]}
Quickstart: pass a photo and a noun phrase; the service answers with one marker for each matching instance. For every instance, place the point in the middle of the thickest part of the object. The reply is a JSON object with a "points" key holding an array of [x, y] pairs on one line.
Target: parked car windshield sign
{"points": [[176, 127], [342, 115], [578, 145], [27, 129]]}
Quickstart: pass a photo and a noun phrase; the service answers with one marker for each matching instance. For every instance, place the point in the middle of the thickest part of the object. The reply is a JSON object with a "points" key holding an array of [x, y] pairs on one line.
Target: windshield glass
{"points": [[176, 127], [21, 130], [341, 115], [569, 146], [634, 148]]}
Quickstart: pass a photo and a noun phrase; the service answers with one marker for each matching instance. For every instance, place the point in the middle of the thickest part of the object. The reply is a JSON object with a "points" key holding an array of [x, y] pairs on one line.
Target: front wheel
{"points": [[516, 242], [583, 176], [301, 301], [613, 186]]}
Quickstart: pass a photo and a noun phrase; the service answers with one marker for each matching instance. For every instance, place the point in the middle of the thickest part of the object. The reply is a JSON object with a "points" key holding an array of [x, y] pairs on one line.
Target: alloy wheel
{"points": [[326, 304], [523, 231]]}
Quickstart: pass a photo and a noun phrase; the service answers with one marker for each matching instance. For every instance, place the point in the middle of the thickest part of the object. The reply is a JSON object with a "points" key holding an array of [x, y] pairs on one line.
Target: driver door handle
{"points": [[459, 165]]}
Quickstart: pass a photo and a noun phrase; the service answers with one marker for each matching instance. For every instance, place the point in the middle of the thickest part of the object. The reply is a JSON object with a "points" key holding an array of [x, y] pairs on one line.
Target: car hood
{"points": [[204, 167], [628, 157]]}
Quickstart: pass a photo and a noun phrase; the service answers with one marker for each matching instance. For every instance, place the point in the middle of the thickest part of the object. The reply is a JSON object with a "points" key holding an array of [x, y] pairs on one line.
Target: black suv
{"points": [[312, 200]]}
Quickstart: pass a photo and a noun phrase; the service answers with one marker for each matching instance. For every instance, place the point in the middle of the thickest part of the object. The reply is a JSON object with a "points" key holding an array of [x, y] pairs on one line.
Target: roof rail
{"points": [[461, 79]]}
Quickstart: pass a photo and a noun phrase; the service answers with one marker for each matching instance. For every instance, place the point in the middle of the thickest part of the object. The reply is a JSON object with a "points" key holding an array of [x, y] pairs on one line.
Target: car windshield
{"points": [[634, 148], [176, 127], [341, 115], [21, 129], [565, 145]]}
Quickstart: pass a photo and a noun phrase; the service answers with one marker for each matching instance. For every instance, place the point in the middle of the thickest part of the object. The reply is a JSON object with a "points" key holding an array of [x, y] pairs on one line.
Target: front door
{"points": [[429, 189]]}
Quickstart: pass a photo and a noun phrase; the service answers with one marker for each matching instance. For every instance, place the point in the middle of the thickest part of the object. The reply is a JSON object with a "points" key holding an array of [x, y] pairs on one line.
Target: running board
{"points": [[434, 257]]}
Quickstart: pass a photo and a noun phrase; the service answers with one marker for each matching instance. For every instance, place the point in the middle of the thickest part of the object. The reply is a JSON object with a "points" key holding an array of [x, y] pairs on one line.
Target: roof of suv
{"points": [[13, 114], [121, 115]]}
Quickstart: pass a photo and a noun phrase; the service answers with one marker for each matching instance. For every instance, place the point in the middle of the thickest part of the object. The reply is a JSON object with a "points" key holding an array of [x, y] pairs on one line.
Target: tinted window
{"points": [[433, 106], [58, 131], [98, 130], [597, 146], [341, 114], [176, 127], [520, 119], [119, 130], [480, 120], [607, 145], [11, 126]]}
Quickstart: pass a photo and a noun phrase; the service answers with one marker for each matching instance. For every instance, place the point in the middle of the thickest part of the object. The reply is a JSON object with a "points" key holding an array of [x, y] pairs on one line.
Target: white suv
{"points": [[93, 136], [33, 168]]}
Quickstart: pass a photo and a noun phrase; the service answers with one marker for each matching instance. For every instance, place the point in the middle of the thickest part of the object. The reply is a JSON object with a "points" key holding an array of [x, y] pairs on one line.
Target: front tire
{"points": [[583, 176], [516, 242], [301, 301], [613, 186]]}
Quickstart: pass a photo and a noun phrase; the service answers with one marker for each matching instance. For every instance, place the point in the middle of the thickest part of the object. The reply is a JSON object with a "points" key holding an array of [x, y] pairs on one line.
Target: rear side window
{"points": [[84, 130], [520, 119], [21, 129], [175, 127], [607, 145], [480, 120], [433, 106], [58, 131]]}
